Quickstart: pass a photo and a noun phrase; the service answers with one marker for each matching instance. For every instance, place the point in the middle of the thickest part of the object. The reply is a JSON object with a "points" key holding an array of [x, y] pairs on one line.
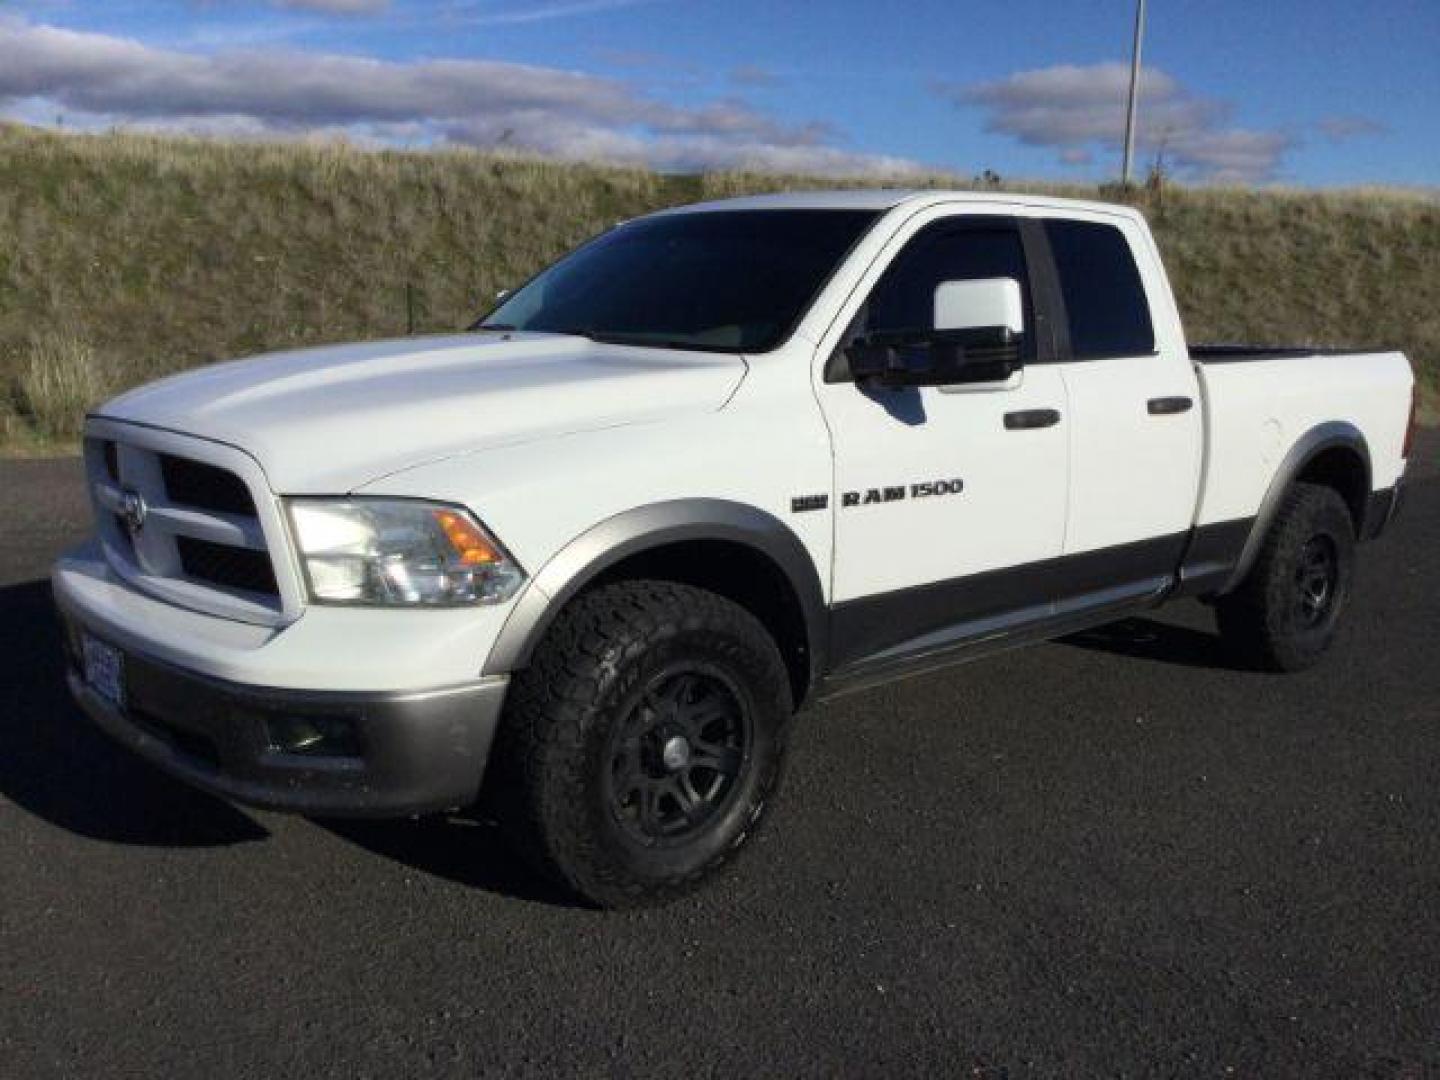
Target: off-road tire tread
{"points": [[1252, 619], [539, 759]]}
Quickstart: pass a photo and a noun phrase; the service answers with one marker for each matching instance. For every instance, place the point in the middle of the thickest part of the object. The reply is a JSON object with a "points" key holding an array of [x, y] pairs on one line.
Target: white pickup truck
{"points": [[718, 462]]}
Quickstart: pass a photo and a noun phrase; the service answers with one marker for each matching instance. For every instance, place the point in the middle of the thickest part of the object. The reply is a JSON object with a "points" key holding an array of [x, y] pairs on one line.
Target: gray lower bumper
{"points": [[413, 753]]}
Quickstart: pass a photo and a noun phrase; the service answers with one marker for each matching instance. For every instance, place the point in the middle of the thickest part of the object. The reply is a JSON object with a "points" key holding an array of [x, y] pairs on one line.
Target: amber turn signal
{"points": [[468, 541]]}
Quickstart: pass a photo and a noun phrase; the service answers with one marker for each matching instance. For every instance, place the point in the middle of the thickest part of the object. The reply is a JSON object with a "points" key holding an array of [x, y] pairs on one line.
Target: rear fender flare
{"points": [[1306, 448]]}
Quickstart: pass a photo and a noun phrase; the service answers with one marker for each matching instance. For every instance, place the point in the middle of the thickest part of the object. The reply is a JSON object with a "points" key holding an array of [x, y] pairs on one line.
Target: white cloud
{"points": [[754, 76], [486, 14], [1341, 128], [1075, 109], [336, 7], [473, 12], [99, 80]]}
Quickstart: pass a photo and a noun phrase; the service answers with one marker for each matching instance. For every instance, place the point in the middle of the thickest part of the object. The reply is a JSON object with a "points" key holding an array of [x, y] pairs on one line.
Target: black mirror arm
{"points": [[982, 354]]}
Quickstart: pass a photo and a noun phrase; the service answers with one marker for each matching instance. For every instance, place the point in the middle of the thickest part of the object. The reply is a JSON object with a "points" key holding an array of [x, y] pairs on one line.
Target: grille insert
{"points": [[227, 567], [122, 535], [205, 487]]}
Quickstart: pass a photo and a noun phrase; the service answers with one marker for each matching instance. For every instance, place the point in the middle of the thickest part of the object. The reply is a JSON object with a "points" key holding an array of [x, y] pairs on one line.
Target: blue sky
{"points": [[1317, 92]]}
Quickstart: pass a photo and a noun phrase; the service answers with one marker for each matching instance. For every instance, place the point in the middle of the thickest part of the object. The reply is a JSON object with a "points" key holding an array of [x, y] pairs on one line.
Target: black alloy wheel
{"points": [[676, 758], [1317, 575]]}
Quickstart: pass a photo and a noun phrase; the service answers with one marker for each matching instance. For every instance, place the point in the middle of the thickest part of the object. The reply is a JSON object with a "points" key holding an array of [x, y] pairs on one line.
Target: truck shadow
{"points": [[59, 767], [459, 848], [1143, 638], [56, 765]]}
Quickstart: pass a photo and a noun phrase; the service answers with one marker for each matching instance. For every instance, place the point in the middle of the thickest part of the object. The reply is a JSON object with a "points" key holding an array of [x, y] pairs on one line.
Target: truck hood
{"points": [[331, 419]]}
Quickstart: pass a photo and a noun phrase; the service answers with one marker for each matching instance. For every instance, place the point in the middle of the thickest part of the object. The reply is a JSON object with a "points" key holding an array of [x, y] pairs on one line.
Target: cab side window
{"points": [[904, 297], [1105, 302]]}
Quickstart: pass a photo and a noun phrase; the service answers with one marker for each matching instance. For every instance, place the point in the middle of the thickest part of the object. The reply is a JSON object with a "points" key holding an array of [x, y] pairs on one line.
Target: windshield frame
{"points": [[783, 338]]}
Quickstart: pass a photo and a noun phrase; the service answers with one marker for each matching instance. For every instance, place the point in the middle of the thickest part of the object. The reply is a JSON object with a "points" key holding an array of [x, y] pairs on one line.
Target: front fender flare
{"points": [[643, 528]]}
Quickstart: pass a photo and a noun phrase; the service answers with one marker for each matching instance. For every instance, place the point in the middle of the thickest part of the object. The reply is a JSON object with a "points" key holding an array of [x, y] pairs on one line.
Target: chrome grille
{"points": [[190, 521]]}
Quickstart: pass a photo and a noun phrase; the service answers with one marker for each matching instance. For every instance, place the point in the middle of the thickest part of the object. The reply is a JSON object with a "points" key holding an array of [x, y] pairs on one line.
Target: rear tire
{"points": [[644, 743], [1284, 615]]}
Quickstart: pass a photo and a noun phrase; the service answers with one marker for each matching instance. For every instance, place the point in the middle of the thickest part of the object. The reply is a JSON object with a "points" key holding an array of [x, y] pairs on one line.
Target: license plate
{"points": [[104, 669]]}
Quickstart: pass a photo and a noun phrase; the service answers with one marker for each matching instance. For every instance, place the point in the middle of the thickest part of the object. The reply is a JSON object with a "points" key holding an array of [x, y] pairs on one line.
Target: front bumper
{"points": [[404, 751], [415, 752]]}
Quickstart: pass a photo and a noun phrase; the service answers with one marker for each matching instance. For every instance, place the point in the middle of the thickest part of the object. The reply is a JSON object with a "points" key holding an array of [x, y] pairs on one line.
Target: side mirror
{"points": [[979, 303], [978, 327]]}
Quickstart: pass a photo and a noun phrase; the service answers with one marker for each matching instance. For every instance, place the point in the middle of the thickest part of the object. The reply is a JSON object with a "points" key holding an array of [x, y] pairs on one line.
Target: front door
{"points": [[948, 500]]}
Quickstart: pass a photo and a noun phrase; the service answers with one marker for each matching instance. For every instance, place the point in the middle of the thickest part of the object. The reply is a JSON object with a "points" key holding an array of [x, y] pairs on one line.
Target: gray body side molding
{"points": [[1317, 439], [641, 529]]}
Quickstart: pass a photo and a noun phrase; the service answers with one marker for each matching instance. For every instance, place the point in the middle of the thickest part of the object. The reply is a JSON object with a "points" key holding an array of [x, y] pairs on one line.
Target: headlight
{"points": [[400, 551]]}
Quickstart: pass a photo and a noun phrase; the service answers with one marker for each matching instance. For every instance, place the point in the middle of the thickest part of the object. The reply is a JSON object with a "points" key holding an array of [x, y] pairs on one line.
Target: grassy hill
{"points": [[123, 257]]}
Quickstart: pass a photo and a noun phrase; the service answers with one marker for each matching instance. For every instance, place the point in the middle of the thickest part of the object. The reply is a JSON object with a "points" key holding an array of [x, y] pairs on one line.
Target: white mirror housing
{"points": [[966, 305]]}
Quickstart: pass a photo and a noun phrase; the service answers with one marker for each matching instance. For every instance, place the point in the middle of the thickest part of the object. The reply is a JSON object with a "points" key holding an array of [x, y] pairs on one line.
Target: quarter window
{"points": [[1105, 302]]}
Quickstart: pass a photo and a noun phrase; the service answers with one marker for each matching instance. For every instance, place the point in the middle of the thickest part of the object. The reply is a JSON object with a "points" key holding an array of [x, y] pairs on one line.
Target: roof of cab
{"points": [[881, 199]]}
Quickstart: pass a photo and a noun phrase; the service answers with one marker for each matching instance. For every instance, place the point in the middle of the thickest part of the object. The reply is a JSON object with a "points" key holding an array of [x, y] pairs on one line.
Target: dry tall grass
{"points": [[58, 381], [162, 253]]}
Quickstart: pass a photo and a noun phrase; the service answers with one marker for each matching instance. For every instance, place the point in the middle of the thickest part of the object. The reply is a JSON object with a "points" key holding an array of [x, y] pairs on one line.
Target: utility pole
{"points": [[1134, 91]]}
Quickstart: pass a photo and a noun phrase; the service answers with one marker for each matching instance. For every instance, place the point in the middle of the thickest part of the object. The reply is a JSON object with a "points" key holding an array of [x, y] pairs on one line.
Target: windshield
{"points": [[726, 280]]}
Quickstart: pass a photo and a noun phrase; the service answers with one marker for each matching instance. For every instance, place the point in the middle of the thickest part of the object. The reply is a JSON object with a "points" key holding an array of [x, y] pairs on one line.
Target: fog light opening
{"points": [[313, 736]]}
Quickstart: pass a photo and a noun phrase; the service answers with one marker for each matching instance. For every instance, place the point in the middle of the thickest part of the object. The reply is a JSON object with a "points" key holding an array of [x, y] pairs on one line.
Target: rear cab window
{"points": [[1106, 308]]}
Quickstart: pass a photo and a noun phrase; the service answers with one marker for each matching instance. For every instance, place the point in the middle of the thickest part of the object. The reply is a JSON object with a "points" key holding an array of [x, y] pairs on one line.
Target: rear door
{"points": [[946, 498], [1135, 429]]}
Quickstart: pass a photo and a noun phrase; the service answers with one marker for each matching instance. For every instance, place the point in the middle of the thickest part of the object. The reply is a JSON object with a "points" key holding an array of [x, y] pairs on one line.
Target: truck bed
{"points": [[1260, 399]]}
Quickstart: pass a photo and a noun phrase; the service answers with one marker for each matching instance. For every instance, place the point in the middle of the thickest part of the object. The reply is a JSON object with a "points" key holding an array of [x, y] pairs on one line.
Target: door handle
{"points": [[1029, 419], [1168, 406]]}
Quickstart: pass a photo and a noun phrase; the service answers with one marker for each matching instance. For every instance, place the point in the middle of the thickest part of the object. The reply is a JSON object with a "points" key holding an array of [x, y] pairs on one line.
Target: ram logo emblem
{"points": [[133, 509]]}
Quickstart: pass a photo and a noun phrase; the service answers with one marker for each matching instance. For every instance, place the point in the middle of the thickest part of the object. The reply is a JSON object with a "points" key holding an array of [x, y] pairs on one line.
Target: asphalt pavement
{"points": [[1109, 855]]}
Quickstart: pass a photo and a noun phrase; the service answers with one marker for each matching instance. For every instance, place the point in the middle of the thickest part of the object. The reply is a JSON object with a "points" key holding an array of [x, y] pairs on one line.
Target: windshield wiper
{"points": [[644, 341], [610, 337]]}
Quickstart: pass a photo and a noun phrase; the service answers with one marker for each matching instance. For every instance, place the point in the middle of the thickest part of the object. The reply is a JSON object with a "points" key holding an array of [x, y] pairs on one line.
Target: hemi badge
{"points": [[801, 503]]}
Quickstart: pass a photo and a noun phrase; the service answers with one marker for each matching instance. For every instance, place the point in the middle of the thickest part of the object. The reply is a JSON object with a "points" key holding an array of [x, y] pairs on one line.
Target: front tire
{"points": [[1284, 615], [644, 743]]}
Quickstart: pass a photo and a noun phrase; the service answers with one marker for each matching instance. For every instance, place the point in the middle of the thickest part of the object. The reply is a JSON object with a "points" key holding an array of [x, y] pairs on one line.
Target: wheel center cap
{"points": [[675, 753]]}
